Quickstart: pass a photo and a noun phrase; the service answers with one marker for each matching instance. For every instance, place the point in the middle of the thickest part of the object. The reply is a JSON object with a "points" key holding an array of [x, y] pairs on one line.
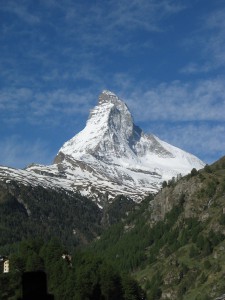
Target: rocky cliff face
{"points": [[198, 192], [111, 156]]}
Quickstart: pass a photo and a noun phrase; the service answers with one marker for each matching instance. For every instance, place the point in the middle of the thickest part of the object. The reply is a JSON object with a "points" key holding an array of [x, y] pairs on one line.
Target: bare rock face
{"points": [[185, 190], [112, 156]]}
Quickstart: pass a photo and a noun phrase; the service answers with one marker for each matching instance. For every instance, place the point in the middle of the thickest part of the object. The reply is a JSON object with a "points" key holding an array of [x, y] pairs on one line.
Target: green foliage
{"points": [[172, 216], [128, 243], [202, 296], [164, 184], [203, 278], [222, 219], [194, 172], [223, 187], [184, 269], [181, 246], [193, 252], [35, 211], [131, 290], [171, 182], [176, 242], [181, 290], [215, 237], [184, 236], [216, 267], [117, 210], [194, 227], [86, 277], [211, 188], [207, 264], [204, 245], [207, 169]]}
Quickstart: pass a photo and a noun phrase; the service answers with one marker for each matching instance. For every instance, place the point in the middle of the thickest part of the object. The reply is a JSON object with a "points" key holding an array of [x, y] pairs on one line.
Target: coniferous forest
{"points": [[82, 275], [151, 251]]}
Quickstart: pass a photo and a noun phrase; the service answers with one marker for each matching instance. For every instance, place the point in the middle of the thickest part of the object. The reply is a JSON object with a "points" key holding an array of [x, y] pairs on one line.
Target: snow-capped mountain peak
{"points": [[112, 156], [109, 123], [120, 153], [108, 96]]}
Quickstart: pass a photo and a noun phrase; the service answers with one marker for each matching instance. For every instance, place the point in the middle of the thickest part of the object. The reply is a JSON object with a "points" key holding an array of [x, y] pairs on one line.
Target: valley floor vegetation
{"points": [[179, 255]]}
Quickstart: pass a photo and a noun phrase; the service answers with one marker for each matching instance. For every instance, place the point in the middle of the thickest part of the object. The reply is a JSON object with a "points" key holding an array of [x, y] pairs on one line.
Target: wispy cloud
{"points": [[50, 108], [195, 68], [81, 33], [20, 9], [202, 139], [201, 102], [216, 43], [187, 115], [16, 152], [210, 40], [56, 56], [178, 101], [124, 14]]}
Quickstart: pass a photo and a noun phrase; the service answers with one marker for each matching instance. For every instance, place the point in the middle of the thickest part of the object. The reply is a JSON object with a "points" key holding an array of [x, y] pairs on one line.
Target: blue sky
{"points": [[165, 59]]}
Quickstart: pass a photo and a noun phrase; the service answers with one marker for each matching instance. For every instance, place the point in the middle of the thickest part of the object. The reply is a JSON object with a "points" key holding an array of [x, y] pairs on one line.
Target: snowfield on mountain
{"points": [[110, 156]]}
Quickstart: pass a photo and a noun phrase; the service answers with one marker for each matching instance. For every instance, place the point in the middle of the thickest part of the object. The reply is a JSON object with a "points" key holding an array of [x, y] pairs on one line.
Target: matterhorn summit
{"points": [[107, 134], [112, 156]]}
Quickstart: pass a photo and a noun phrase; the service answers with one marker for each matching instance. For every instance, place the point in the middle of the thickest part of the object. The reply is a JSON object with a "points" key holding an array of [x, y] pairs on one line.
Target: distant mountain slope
{"points": [[27, 212], [174, 243], [110, 156]]}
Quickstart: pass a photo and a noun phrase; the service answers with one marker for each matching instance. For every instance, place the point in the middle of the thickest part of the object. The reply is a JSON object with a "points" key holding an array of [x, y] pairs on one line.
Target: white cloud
{"points": [[203, 100], [178, 101], [71, 47], [16, 152], [202, 139], [187, 115], [20, 9], [216, 42], [58, 66], [114, 23], [52, 108], [128, 14], [209, 39], [194, 68], [190, 116]]}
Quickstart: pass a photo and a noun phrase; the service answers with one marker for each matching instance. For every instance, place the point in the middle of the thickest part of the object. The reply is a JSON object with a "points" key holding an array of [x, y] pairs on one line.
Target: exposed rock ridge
{"points": [[112, 156]]}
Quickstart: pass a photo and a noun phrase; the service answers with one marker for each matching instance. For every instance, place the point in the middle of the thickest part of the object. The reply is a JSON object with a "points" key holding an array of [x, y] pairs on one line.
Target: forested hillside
{"points": [[27, 211], [80, 276], [174, 244]]}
